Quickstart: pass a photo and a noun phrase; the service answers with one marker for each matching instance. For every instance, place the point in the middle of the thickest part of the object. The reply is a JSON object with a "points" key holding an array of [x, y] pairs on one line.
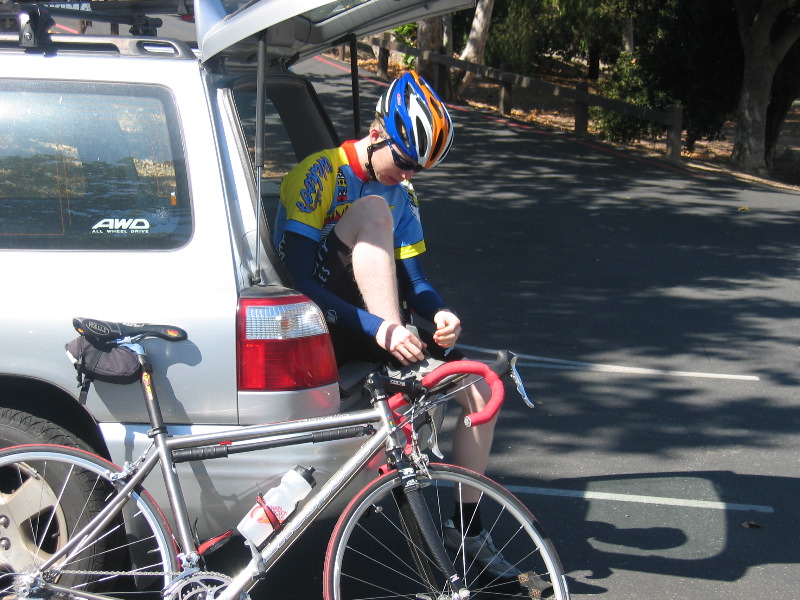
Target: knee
{"points": [[372, 212], [476, 396], [366, 218]]}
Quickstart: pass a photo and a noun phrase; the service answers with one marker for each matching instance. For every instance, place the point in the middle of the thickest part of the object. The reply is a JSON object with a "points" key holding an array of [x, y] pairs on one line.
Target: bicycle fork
{"points": [[422, 533]]}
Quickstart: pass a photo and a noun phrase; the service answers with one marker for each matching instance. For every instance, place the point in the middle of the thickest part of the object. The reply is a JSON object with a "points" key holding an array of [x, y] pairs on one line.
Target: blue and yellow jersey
{"points": [[318, 191]]}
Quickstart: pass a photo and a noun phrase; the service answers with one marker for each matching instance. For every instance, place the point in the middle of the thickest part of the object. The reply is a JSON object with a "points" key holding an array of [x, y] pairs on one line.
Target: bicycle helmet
{"points": [[416, 120]]}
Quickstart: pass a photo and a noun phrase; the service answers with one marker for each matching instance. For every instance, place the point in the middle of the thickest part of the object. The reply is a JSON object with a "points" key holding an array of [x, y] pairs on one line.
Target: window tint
{"points": [[279, 157], [91, 166]]}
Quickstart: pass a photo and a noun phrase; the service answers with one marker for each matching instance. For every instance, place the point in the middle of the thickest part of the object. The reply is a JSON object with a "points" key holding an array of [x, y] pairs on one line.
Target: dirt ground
{"points": [[554, 113]]}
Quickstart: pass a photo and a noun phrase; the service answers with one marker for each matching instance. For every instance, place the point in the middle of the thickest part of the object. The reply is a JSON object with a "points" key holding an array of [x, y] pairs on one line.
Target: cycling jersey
{"points": [[316, 193]]}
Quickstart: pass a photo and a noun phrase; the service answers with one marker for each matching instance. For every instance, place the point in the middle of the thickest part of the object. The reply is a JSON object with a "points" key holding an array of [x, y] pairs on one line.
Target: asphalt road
{"points": [[655, 311]]}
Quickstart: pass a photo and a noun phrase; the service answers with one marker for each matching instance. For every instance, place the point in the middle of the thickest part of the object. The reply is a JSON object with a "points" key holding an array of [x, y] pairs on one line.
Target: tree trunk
{"points": [[749, 146], [594, 61], [430, 38], [627, 36], [768, 30], [476, 42], [447, 33]]}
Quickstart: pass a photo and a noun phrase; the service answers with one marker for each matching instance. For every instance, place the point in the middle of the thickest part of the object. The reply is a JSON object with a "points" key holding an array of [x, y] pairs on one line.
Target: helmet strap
{"points": [[370, 150]]}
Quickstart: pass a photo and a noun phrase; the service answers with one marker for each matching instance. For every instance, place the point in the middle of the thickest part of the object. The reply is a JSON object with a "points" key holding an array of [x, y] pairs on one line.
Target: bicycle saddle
{"points": [[109, 330]]}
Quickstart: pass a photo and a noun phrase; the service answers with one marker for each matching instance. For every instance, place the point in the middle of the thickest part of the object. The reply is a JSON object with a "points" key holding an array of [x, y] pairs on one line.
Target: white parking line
{"points": [[729, 506], [541, 362]]}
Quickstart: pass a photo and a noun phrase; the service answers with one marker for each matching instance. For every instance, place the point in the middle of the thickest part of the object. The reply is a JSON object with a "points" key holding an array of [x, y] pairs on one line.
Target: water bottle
{"points": [[276, 505]]}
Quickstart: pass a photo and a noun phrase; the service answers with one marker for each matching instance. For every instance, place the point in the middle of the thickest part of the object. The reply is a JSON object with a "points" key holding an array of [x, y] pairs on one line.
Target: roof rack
{"points": [[36, 19], [118, 44], [114, 7]]}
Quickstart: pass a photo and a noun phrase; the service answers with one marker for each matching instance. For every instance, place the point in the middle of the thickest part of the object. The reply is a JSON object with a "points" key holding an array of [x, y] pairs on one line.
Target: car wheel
{"points": [[75, 502]]}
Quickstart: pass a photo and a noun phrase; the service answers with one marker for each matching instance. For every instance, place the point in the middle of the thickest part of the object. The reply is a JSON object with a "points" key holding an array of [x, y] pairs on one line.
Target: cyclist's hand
{"points": [[400, 342], [448, 328]]}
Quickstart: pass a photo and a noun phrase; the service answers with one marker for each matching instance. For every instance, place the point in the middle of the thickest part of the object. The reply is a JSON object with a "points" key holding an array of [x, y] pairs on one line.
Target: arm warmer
{"points": [[416, 289]]}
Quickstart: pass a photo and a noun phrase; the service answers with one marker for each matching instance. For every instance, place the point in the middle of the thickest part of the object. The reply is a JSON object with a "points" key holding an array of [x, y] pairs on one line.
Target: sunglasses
{"points": [[401, 163]]}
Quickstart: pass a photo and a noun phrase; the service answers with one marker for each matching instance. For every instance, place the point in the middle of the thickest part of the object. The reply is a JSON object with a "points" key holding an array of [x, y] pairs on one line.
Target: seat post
{"points": [[159, 434], [148, 389]]}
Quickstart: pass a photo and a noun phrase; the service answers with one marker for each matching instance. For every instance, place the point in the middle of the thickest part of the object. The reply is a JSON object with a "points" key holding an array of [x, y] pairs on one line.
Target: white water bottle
{"points": [[276, 505]]}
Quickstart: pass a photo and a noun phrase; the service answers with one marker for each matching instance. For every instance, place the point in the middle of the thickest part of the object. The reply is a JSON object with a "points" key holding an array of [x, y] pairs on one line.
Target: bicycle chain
{"points": [[135, 573]]}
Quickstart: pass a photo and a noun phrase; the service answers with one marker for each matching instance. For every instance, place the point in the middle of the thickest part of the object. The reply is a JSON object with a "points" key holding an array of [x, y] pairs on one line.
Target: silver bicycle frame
{"points": [[385, 434]]}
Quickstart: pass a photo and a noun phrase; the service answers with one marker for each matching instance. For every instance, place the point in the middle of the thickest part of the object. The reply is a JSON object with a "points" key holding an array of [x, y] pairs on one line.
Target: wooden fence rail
{"points": [[672, 118]]}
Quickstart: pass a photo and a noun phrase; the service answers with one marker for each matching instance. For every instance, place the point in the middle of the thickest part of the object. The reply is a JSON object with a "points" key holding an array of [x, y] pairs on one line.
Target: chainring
{"points": [[203, 585]]}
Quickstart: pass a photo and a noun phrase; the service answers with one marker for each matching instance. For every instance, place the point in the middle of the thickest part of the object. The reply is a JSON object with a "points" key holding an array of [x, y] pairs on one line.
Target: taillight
{"points": [[283, 344]]}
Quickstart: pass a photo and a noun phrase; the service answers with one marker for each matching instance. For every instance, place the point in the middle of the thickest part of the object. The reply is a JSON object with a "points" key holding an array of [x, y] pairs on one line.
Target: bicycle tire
{"points": [[47, 493], [368, 557]]}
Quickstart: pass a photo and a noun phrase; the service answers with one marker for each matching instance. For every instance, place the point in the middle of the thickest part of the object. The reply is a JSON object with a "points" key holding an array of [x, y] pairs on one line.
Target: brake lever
{"points": [[517, 379], [433, 440]]}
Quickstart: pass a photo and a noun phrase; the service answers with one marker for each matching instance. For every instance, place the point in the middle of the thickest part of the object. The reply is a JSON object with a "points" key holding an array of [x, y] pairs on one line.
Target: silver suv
{"points": [[128, 192]]}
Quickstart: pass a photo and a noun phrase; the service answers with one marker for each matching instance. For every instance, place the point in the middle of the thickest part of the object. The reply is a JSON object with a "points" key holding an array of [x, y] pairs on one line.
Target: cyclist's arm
{"points": [[299, 256], [417, 290], [427, 303]]}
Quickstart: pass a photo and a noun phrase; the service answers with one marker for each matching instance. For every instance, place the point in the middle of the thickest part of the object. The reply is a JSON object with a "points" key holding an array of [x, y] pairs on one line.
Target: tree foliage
{"points": [[523, 31], [631, 83], [692, 55], [717, 58]]}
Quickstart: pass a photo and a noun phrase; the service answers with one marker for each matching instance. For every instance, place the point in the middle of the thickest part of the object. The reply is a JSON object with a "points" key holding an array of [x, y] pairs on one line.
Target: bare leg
{"points": [[471, 445], [367, 228]]}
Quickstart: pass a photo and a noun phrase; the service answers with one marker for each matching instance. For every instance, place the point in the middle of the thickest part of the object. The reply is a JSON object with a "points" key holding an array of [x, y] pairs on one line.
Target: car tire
{"points": [[19, 427]]}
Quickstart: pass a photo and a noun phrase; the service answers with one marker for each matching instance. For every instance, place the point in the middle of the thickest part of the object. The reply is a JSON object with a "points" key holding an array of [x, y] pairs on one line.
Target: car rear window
{"points": [[91, 166]]}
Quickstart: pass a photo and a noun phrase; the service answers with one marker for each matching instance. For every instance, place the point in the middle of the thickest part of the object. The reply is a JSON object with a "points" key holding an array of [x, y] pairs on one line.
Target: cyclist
{"points": [[349, 231]]}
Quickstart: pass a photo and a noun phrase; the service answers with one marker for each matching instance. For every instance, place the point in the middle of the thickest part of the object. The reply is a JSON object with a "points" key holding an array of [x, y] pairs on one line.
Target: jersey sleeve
{"points": [[307, 194], [409, 240]]}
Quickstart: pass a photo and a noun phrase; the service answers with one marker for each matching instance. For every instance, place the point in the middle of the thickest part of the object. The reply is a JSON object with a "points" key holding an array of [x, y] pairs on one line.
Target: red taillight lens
{"points": [[283, 344]]}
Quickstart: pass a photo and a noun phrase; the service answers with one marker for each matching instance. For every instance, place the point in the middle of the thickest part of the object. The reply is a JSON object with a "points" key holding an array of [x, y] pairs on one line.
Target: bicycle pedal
{"points": [[214, 543], [534, 586]]}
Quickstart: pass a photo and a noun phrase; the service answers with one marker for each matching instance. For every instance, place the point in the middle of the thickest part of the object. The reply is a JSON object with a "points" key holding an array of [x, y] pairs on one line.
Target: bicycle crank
{"points": [[201, 585]]}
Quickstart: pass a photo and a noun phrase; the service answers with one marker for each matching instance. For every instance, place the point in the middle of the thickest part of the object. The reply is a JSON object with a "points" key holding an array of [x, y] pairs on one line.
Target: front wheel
{"points": [[47, 494], [369, 553]]}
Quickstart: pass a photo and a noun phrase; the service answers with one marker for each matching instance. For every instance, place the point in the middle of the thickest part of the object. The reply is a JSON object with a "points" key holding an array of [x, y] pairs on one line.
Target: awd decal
{"points": [[121, 226]]}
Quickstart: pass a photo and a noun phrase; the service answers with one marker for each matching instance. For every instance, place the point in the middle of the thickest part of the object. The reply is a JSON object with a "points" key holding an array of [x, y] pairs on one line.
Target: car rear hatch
{"points": [[297, 29]]}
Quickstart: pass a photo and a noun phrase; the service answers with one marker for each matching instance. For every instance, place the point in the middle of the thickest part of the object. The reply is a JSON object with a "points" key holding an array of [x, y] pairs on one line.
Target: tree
{"points": [[693, 56], [767, 29], [476, 42]]}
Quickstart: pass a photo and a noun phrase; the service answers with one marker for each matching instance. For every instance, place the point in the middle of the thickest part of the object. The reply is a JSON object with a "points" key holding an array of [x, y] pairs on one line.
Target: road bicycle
{"points": [[75, 526]]}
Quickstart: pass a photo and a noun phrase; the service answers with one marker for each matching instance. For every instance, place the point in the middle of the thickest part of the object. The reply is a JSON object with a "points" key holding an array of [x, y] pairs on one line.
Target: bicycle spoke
{"points": [[48, 494], [515, 559]]}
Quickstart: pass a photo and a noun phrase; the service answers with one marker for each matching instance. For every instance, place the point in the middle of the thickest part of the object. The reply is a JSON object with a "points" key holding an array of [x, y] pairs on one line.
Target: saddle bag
{"points": [[94, 360]]}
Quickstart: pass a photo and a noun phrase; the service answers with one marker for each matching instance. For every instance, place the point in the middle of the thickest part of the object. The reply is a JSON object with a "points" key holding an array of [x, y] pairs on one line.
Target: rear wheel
{"points": [[47, 494], [368, 555]]}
